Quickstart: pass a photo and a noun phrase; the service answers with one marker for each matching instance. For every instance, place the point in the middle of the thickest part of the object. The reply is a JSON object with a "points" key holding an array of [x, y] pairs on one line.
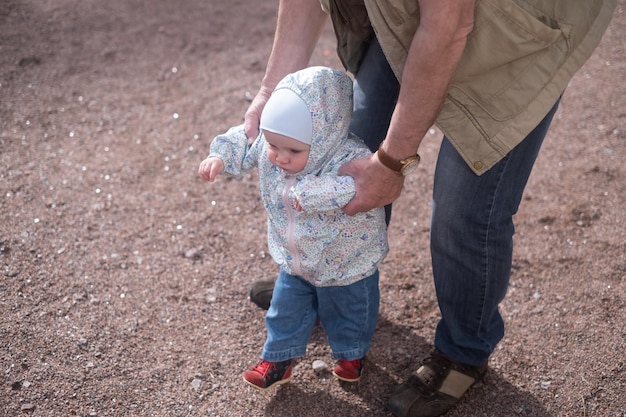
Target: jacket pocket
{"points": [[401, 15], [510, 56]]}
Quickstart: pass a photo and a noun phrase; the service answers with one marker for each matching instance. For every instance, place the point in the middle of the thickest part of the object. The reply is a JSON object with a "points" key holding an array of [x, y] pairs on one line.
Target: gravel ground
{"points": [[123, 286]]}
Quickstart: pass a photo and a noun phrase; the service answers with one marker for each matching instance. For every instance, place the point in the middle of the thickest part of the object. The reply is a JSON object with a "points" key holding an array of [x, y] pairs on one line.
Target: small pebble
{"points": [[319, 365], [193, 253], [28, 407], [196, 383]]}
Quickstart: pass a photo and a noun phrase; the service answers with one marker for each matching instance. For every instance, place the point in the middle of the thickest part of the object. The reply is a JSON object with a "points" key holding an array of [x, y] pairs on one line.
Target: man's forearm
{"points": [[434, 54], [298, 29]]}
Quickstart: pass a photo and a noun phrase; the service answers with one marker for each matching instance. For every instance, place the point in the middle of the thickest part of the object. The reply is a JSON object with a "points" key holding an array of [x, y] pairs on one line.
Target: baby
{"points": [[328, 260]]}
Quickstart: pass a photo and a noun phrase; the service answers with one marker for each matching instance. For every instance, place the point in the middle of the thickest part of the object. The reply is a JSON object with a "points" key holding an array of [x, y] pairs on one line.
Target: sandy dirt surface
{"points": [[123, 282]]}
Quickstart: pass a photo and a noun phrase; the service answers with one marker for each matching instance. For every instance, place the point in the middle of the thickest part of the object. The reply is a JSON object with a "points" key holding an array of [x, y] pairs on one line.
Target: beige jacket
{"points": [[518, 60]]}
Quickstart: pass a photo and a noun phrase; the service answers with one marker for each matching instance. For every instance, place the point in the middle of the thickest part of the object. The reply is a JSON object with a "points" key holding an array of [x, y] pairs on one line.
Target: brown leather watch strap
{"points": [[389, 162]]}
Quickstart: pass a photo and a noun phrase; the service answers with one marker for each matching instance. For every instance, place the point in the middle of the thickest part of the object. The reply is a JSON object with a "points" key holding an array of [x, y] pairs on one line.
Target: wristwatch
{"points": [[403, 166]]}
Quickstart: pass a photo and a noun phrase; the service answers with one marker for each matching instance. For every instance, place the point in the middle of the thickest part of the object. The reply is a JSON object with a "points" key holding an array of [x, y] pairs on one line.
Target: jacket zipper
{"points": [[291, 227]]}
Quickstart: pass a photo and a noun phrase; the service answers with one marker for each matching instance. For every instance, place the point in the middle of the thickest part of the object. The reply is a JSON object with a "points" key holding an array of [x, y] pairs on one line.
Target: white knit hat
{"points": [[287, 114]]}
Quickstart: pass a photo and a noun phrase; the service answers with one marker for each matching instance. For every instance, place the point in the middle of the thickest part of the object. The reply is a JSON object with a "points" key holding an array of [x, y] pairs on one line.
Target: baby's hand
{"points": [[210, 168]]}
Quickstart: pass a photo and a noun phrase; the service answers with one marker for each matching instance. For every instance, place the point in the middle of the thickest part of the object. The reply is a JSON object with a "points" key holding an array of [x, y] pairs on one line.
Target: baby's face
{"points": [[286, 153]]}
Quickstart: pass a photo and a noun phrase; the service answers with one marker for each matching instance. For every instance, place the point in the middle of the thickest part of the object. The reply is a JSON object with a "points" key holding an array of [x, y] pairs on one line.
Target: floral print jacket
{"points": [[320, 243]]}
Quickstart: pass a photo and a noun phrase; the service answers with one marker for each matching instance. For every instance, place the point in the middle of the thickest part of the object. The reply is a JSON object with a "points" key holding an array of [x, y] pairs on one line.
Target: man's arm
{"points": [[298, 29], [431, 62]]}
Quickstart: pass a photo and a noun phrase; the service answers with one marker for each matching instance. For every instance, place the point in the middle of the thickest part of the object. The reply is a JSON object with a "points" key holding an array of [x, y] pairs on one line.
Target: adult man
{"points": [[490, 74]]}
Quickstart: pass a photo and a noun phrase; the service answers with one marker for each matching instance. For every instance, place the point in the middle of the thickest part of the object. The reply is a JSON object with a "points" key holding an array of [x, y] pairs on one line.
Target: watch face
{"points": [[410, 167]]}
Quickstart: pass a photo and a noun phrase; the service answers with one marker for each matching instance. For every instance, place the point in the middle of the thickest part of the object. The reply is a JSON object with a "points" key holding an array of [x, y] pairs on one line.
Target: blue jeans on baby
{"points": [[471, 224], [349, 315]]}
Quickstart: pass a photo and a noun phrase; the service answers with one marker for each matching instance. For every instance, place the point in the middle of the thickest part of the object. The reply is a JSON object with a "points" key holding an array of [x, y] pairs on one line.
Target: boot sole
{"points": [[347, 379], [281, 382]]}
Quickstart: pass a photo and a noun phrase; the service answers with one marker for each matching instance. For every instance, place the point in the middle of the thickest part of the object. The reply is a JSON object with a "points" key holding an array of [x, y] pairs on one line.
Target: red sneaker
{"points": [[349, 371], [265, 374]]}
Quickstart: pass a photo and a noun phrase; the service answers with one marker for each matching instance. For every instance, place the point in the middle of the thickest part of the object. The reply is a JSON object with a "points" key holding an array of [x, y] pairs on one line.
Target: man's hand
{"points": [[252, 117], [210, 168], [376, 185]]}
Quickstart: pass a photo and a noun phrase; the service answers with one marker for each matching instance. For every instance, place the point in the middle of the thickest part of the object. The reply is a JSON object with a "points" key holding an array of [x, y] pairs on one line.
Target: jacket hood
{"points": [[327, 93]]}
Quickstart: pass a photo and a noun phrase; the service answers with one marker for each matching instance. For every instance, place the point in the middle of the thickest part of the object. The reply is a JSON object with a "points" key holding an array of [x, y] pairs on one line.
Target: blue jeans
{"points": [[472, 220], [349, 315]]}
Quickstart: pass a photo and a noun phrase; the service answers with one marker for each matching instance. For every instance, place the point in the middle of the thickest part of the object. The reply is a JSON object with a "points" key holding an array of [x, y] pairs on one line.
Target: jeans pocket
{"points": [[510, 56]]}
